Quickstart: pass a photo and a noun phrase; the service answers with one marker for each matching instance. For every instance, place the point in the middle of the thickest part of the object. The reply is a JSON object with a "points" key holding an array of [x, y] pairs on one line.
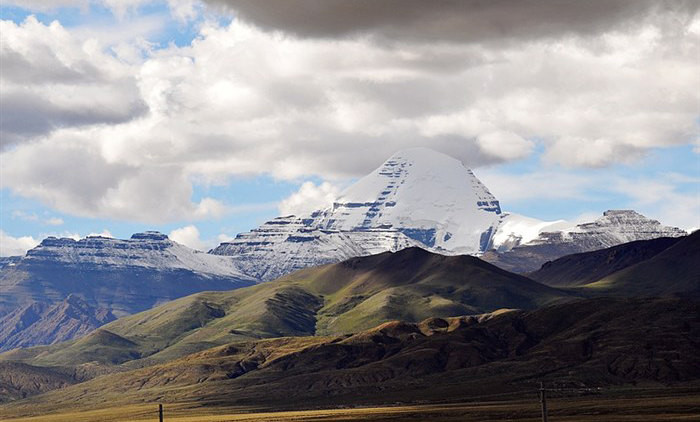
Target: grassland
{"points": [[613, 406]]}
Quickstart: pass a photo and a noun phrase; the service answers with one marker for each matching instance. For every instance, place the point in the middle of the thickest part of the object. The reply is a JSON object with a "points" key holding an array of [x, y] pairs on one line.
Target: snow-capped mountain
{"points": [[108, 277], [418, 197], [523, 244], [428, 196]]}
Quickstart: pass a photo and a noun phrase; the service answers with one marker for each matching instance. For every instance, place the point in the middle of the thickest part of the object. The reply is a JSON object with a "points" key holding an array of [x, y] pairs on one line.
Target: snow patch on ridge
{"points": [[151, 250], [516, 229]]}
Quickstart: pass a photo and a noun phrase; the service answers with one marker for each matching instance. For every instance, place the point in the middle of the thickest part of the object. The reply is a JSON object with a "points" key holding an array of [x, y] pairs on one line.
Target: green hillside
{"points": [[584, 344], [410, 285]]}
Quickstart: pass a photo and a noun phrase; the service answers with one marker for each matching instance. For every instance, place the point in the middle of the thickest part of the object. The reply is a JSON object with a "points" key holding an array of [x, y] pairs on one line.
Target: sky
{"points": [[203, 119]]}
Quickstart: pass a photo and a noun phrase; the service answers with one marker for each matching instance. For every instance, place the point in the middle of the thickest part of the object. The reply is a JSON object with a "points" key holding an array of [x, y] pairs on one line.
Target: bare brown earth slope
{"points": [[583, 344]]}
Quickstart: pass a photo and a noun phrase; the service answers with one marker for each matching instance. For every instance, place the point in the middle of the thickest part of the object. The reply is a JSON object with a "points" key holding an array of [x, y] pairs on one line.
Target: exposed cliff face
{"points": [[105, 277], [418, 197]]}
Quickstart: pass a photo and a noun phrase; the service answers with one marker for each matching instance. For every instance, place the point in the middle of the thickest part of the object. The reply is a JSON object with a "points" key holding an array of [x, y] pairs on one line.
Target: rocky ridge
{"points": [[64, 288]]}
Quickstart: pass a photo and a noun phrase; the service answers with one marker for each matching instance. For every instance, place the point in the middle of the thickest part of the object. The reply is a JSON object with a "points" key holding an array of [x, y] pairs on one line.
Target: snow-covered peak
{"points": [[516, 229], [613, 228], [428, 196], [622, 226], [419, 174]]}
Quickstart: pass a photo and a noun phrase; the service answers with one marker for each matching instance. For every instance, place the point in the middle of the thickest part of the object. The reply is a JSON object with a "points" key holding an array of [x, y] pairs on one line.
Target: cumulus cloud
{"points": [[540, 185], [51, 79], [78, 179], [188, 236], [45, 5], [15, 246], [241, 100], [310, 197]]}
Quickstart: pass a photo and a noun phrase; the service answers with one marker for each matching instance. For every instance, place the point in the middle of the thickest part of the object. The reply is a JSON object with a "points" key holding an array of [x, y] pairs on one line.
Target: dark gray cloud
{"points": [[27, 114], [452, 20]]}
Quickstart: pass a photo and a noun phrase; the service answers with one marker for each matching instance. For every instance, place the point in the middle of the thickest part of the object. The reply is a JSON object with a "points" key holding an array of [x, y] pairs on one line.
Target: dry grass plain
{"points": [[643, 407]]}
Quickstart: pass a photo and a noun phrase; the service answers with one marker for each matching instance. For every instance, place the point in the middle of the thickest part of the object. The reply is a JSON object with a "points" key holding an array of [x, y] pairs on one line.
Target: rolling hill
{"points": [[357, 294], [584, 344], [588, 267], [675, 271]]}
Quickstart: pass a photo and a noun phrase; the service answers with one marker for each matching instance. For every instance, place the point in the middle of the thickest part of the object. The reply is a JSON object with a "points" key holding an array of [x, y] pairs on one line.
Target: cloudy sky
{"points": [[202, 119]]}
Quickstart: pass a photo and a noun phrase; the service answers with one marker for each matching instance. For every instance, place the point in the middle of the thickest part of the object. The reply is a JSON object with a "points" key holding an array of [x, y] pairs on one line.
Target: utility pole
{"points": [[543, 401], [160, 412]]}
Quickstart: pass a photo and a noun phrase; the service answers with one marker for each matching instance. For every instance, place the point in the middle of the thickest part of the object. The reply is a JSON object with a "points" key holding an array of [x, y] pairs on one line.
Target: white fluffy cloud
{"points": [[51, 79], [245, 101], [15, 246], [188, 236], [310, 197]]}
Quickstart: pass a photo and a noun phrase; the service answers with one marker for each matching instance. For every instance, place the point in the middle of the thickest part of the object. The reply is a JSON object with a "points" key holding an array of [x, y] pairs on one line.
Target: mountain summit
{"points": [[418, 197], [428, 196]]}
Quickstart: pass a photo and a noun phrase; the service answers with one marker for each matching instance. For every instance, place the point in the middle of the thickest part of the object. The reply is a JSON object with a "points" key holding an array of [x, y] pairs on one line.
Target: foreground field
{"points": [[647, 406]]}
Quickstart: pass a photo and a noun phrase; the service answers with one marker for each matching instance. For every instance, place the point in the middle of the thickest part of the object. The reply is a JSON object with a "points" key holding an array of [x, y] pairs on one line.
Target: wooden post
{"points": [[160, 412], [543, 401]]}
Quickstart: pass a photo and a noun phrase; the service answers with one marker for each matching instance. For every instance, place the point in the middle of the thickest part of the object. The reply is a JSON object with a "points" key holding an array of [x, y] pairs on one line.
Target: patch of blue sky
{"points": [[177, 32], [67, 16], [250, 202], [676, 165]]}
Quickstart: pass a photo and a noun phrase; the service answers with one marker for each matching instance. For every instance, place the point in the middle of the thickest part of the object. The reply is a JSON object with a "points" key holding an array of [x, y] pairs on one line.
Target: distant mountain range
{"points": [[613, 228], [357, 294], [64, 288], [330, 329], [417, 198], [420, 197]]}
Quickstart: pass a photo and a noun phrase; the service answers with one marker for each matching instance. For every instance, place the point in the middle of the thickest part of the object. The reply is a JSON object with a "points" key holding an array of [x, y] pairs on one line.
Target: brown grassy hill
{"points": [[588, 343]]}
